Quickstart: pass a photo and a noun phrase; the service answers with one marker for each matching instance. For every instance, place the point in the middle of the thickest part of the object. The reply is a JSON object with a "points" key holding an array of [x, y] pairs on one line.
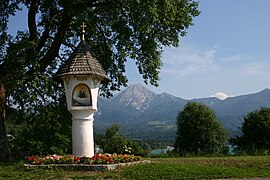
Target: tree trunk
{"points": [[4, 151]]}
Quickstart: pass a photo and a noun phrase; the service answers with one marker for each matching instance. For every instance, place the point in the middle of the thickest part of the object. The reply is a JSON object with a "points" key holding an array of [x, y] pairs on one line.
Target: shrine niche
{"points": [[81, 96]]}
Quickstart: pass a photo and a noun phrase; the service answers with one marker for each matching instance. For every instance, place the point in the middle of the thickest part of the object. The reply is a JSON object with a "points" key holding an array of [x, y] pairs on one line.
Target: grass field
{"points": [[163, 168]]}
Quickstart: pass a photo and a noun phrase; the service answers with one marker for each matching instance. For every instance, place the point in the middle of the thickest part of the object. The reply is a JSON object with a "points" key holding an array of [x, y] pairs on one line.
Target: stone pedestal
{"points": [[82, 133]]}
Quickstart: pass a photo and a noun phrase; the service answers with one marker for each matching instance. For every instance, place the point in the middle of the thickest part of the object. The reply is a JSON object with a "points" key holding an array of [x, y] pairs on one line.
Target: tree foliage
{"points": [[255, 132], [113, 142], [117, 31], [44, 131], [198, 131]]}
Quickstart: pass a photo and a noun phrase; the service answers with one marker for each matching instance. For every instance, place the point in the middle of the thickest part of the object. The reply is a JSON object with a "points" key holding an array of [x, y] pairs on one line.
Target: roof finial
{"points": [[83, 31]]}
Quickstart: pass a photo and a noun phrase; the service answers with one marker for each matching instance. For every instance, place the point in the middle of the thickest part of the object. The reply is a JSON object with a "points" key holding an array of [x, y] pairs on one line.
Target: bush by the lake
{"points": [[70, 159]]}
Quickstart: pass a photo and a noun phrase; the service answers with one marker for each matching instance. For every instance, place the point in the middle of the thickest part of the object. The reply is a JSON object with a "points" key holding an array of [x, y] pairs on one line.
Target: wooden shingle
{"points": [[82, 62]]}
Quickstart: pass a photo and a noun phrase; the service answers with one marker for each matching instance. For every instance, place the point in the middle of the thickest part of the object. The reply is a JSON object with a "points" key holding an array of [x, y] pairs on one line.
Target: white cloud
{"points": [[183, 62], [220, 95], [192, 72], [232, 59], [255, 69]]}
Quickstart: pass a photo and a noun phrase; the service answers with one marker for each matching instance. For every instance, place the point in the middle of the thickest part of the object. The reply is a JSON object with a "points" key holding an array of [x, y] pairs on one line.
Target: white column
{"points": [[82, 133]]}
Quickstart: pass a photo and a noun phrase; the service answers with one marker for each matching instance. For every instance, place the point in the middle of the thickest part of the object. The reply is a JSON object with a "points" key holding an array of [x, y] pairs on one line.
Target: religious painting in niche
{"points": [[81, 96]]}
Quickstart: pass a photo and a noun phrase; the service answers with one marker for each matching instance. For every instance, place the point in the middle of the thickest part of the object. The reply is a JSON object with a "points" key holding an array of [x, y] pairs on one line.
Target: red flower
{"points": [[96, 159], [77, 159]]}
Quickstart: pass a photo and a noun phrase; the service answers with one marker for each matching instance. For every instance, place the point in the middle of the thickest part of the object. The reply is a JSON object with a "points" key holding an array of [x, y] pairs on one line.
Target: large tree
{"points": [[118, 30], [198, 131], [255, 132]]}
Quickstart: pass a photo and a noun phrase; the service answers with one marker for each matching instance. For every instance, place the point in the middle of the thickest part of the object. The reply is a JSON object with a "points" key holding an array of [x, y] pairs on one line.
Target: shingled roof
{"points": [[82, 62]]}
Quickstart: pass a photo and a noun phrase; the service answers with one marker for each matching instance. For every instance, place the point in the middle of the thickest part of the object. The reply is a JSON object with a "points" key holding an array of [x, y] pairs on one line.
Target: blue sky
{"points": [[227, 50]]}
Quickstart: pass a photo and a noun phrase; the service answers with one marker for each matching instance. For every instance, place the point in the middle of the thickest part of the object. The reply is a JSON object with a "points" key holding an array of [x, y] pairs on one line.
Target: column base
{"points": [[82, 137]]}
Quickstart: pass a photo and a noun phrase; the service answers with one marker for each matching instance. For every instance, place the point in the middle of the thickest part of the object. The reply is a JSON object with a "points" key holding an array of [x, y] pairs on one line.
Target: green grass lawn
{"points": [[163, 168]]}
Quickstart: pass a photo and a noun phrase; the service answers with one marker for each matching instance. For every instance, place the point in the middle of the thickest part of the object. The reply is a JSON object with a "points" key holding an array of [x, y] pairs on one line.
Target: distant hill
{"points": [[143, 114]]}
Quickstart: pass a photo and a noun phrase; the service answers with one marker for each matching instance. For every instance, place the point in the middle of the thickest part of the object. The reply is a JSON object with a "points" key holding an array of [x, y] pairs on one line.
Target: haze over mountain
{"points": [[143, 114]]}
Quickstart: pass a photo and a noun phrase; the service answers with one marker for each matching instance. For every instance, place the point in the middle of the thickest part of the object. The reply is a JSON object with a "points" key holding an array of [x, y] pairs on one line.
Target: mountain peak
{"points": [[135, 95], [138, 89]]}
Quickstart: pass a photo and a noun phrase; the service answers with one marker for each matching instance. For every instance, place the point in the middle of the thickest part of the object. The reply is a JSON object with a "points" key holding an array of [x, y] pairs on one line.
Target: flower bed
{"points": [[70, 159]]}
